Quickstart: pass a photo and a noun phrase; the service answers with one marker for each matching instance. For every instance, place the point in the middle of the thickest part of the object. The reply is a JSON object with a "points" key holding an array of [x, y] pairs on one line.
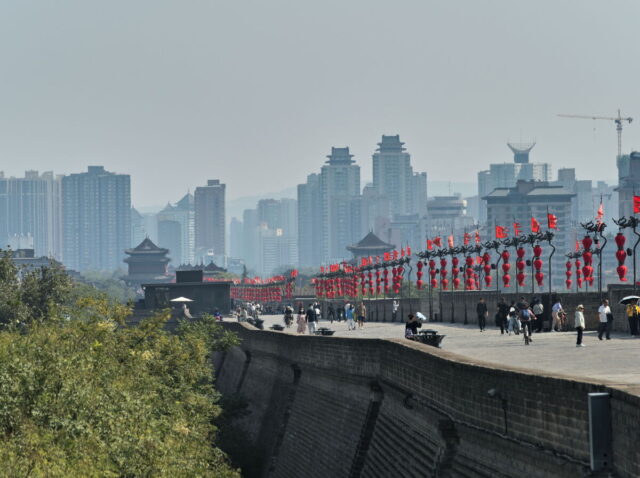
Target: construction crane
{"points": [[617, 120]]}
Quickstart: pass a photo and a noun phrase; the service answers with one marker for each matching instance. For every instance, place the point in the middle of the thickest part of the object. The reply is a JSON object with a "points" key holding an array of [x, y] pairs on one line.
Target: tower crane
{"points": [[618, 120]]}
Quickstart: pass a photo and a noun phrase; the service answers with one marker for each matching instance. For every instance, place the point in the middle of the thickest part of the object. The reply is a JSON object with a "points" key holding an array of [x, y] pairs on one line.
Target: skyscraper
{"points": [[96, 219], [309, 217], [506, 175], [210, 225], [340, 204], [31, 206], [393, 176], [176, 230]]}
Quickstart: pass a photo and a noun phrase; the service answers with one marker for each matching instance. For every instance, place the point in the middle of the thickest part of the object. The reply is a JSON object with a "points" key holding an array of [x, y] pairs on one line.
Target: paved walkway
{"points": [[614, 361]]}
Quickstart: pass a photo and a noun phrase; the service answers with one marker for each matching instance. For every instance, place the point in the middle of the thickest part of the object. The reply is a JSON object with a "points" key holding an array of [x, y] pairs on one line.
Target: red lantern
{"points": [[506, 267], [506, 280], [539, 278], [587, 242], [537, 251], [520, 278], [520, 252], [456, 282], [434, 283], [568, 282], [488, 279], [622, 272]]}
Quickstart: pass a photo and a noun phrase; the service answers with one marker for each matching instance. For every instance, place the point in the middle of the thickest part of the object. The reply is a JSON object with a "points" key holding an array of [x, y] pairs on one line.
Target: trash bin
{"points": [[430, 337]]}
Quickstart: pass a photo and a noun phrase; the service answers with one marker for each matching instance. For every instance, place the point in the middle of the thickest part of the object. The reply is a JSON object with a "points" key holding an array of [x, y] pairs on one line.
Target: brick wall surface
{"points": [[433, 415]]}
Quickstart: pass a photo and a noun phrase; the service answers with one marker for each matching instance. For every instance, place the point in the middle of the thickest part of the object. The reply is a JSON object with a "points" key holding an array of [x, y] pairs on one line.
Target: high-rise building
{"points": [[31, 206], [210, 224], [534, 199], [309, 217], [96, 219], [176, 230], [394, 178], [340, 204], [138, 233], [506, 175], [235, 238]]}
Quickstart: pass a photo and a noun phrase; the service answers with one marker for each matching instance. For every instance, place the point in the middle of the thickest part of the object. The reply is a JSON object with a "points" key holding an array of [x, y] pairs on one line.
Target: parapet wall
{"points": [[345, 407]]}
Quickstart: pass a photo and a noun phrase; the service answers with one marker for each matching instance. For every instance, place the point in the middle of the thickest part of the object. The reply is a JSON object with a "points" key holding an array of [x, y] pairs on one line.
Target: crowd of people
{"points": [[522, 317], [307, 319]]}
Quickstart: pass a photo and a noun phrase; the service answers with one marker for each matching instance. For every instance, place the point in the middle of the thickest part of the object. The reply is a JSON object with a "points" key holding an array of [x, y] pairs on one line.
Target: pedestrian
{"points": [[579, 323], [394, 309], [349, 312], [632, 316], [301, 320], [331, 313], [362, 314], [411, 326], [482, 312], [502, 315], [312, 319], [556, 316], [514, 321], [288, 316], [538, 310], [606, 318]]}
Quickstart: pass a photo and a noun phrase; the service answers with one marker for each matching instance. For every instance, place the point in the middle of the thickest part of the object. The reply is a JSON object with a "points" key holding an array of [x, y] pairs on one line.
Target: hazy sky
{"points": [[256, 92]]}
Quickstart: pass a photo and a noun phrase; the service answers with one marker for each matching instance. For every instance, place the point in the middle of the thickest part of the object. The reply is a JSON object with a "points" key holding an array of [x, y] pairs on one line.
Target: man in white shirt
{"points": [[604, 313], [556, 310]]}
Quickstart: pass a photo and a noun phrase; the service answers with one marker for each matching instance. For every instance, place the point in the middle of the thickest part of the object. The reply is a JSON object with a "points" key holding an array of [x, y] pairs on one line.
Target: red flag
{"points": [[577, 246], [450, 240], [516, 229], [363, 261], [466, 238], [429, 244], [387, 256], [395, 255], [501, 232], [552, 221], [438, 241], [377, 259], [600, 213], [408, 250], [636, 204], [535, 225], [402, 252], [477, 237]]}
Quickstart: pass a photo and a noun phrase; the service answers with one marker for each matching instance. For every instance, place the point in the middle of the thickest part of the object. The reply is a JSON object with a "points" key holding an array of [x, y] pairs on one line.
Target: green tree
{"points": [[91, 398]]}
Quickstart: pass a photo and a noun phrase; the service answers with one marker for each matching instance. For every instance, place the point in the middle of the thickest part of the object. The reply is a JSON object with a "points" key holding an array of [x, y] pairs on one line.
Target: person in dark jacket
{"points": [[502, 314], [312, 319], [482, 311], [411, 326]]}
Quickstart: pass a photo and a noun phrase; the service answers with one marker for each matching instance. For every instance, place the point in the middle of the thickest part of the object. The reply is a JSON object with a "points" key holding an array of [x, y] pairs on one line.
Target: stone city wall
{"points": [[346, 407]]}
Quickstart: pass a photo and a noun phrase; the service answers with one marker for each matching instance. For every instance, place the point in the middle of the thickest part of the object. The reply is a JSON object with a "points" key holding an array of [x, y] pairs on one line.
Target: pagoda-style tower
{"points": [[147, 263], [370, 245]]}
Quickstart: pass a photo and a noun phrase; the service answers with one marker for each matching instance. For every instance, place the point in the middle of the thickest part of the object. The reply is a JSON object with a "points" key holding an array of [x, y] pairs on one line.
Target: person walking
{"points": [[301, 320], [502, 315], [514, 322], [312, 319], [579, 324], [632, 316], [538, 311], [331, 313], [349, 311], [556, 311], [482, 311], [606, 317], [362, 314], [394, 310]]}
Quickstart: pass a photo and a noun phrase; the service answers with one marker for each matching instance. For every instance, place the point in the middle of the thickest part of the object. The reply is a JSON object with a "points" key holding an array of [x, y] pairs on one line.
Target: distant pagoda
{"points": [[370, 245], [147, 263]]}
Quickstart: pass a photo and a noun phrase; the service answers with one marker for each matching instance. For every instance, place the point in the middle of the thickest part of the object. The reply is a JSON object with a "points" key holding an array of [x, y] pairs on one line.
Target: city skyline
{"points": [[457, 80]]}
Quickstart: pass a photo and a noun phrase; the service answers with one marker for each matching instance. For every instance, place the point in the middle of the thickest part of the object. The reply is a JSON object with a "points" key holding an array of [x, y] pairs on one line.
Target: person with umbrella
{"points": [[412, 325], [632, 311]]}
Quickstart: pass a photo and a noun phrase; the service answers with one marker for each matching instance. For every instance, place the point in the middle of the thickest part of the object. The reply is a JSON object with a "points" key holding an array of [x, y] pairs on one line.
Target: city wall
{"points": [[460, 306], [345, 407]]}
